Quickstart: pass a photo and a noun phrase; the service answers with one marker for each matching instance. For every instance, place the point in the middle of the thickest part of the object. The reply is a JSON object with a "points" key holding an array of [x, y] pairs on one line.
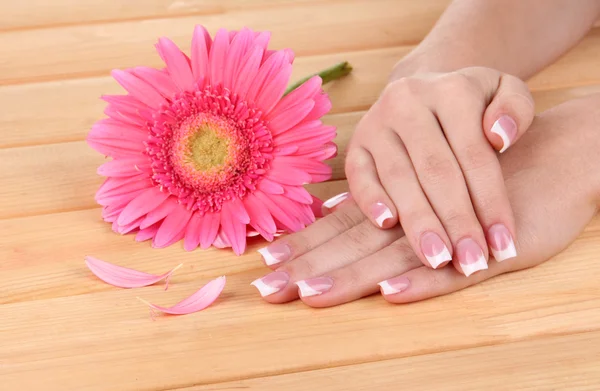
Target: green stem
{"points": [[327, 75]]}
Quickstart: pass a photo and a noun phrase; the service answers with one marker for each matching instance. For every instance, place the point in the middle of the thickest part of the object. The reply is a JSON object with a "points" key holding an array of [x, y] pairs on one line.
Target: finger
{"points": [[461, 121], [509, 114], [420, 223], [360, 278], [335, 202], [294, 245], [423, 283], [366, 188], [346, 248], [440, 177]]}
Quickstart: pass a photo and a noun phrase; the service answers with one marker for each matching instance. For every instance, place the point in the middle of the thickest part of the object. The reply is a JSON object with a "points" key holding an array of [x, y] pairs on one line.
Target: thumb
{"points": [[509, 113]]}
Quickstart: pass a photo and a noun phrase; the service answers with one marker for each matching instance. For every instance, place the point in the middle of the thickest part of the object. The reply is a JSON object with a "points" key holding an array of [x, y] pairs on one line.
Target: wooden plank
{"points": [[60, 177], [55, 120], [77, 342], [39, 13], [33, 270], [567, 362], [92, 50]]}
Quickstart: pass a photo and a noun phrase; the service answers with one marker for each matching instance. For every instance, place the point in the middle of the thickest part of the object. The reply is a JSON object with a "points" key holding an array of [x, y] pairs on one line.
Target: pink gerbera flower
{"points": [[209, 149]]}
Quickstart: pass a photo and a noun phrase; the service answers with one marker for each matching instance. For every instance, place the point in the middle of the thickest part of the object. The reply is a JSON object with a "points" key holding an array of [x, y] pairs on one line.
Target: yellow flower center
{"points": [[206, 149]]}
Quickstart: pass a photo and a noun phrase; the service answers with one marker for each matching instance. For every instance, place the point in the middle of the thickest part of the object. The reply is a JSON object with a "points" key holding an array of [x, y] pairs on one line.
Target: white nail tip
{"points": [[383, 217], [264, 289], [269, 259], [437, 260], [471, 268], [306, 290], [388, 289], [497, 129], [507, 253], [330, 203]]}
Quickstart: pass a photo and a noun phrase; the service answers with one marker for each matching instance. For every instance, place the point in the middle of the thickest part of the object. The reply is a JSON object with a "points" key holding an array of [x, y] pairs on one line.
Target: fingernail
{"points": [[271, 283], [434, 249], [314, 286], [380, 213], [506, 128], [501, 243], [394, 285], [470, 256], [333, 201], [275, 253]]}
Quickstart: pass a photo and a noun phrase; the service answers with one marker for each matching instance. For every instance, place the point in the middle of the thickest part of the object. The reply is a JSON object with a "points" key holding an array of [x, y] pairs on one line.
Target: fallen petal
{"points": [[196, 302], [123, 277]]}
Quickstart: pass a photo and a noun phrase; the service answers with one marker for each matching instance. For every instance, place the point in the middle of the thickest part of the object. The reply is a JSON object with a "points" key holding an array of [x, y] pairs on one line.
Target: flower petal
{"points": [[240, 46], [260, 217], [209, 229], [158, 79], [201, 43], [147, 233], [178, 65], [233, 229], [248, 71], [160, 212], [298, 193], [138, 88], [124, 277], [196, 302], [290, 117], [218, 56], [142, 204], [125, 167], [274, 205], [268, 186], [317, 207], [192, 232], [174, 223]]}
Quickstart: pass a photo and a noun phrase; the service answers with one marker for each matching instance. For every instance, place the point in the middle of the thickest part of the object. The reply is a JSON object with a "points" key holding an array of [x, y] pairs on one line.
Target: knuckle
{"points": [[404, 90], [474, 157], [341, 221], [404, 253], [357, 161], [435, 168], [301, 268], [457, 221], [458, 84], [395, 167]]}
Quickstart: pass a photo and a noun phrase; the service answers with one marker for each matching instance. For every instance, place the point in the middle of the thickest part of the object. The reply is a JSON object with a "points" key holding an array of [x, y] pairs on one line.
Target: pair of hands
{"points": [[344, 256]]}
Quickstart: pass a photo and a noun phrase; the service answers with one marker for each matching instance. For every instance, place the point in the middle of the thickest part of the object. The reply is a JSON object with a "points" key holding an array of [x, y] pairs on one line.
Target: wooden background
{"points": [[62, 329]]}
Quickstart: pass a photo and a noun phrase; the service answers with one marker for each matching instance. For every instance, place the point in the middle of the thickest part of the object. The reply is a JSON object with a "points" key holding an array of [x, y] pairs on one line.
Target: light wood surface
{"points": [[62, 329]]}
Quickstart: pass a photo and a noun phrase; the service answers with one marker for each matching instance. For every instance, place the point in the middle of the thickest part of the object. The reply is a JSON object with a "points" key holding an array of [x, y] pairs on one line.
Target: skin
{"points": [[555, 168], [425, 154], [432, 160]]}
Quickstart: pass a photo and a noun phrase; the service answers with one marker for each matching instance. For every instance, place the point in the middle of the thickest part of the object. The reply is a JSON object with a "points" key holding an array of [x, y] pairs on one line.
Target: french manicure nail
{"points": [[381, 213], [434, 249], [276, 253], [470, 256], [394, 285], [271, 283], [506, 128], [314, 286], [501, 243], [333, 201]]}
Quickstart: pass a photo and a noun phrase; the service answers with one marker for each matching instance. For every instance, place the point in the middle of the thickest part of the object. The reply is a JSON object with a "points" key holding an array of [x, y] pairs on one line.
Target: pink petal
{"points": [[147, 233], [192, 232], [158, 79], [274, 205], [286, 175], [317, 207], [124, 167], [201, 43], [305, 92], [209, 229], [138, 88], [299, 194], [221, 240], [178, 64], [174, 223], [271, 187], [218, 56], [262, 40], [124, 277], [248, 71], [142, 204], [322, 107], [238, 211], [118, 186], [196, 302], [312, 130], [260, 217], [240, 46], [268, 70], [233, 229], [291, 117], [160, 212], [127, 228]]}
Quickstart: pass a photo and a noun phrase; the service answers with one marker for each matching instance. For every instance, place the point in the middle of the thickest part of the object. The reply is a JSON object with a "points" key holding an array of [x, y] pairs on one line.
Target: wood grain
{"points": [[63, 329]]}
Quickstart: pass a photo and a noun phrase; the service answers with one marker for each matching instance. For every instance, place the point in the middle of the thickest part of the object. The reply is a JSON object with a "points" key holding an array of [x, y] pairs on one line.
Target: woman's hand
{"points": [[553, 183], [425, 155]]}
